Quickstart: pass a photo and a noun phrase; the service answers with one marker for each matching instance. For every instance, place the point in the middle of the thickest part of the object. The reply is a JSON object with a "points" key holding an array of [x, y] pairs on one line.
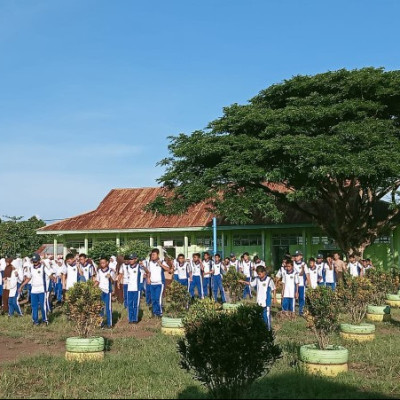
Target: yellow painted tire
{"points": [[379, 318], [173, 331], [358, 337], [82, 357], [325, 369], [393, 303]]}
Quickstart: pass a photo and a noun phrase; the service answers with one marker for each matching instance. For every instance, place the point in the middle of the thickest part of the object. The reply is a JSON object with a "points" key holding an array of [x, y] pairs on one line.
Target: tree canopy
{"points": [[19, 237], [332, 141]]}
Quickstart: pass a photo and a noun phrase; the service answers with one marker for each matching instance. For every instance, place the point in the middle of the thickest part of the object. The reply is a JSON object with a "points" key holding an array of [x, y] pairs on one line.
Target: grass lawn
{"points": [[142, 363]]}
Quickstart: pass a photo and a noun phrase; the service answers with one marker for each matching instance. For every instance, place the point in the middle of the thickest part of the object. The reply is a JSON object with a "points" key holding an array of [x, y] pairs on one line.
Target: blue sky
{"points": [[90, 89]]}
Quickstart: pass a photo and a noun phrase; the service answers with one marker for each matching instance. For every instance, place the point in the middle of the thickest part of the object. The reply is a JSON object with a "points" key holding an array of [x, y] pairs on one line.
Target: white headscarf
{"points": [[3, 264], [113, 262]]}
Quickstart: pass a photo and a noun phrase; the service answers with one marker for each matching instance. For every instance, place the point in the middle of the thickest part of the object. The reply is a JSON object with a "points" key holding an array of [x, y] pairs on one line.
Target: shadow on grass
{"points": [[116, 316], [108, 344], [294, 385], [56, 313]]}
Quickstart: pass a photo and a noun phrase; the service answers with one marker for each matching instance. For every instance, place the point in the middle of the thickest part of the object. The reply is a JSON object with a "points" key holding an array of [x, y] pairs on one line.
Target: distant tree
{"points": [[106, 248], [135, 246], [332, 141], [19, 237]]}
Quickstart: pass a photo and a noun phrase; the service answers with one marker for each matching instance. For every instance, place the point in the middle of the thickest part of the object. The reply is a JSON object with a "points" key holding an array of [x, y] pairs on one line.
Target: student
{"points": [[156, 280], [183, 271], [282, 269], [217, 279], [366, 265], [176, 274], [8, 271], [207, 271], [87, 269], [143, 263], [246, 267], [104, 280], [123, 278], [58, 286], [321, 268], [340, 267], [27, 266], [290, 287], [354, 267], [2, 268], [71, 272], [301, 268], [330, 273], [226, 265], [312, 274], [265, 292], [196, 267], [233, 262], [37, 279], [132, 273], [13, 306]]}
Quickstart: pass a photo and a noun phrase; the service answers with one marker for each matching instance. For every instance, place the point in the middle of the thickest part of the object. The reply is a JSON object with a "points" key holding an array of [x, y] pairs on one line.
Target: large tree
{"points": [[19, 236], [331, 142]]}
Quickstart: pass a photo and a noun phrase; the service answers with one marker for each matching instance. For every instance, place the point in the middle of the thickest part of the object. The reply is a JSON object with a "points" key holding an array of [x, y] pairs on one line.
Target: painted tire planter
{"points": [[230, 306], [378, 313], [393, 303], [329, 362], [84, 349], [360, 333], [279, 298], [393, 297], [172, 326]]}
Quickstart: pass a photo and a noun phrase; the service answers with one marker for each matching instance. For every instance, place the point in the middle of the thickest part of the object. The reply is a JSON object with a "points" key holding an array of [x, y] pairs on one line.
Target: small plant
{"points": [[83, 306], [135, 246], [103, 249], [177, 300], [383, 283], [233, 285], [355, 295], [217, 350], [322, 313], [201, 309]]}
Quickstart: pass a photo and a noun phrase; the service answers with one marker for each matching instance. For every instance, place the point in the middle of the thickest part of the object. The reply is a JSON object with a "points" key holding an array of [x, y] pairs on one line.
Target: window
{"points": [[247, 240], [208, 241], [382, 240], [287, 240], [173, 242]]}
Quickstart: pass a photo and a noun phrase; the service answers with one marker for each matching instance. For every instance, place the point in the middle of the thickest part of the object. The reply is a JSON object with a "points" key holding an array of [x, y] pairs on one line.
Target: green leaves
{"points": [[178, 298], [232, 284]]}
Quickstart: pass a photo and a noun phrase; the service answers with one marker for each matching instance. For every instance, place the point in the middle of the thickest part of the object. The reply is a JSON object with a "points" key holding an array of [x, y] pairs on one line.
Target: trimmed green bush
{"points": [[103, 249], [228, 352], [177, 300], [233, 285], [201, 309]]}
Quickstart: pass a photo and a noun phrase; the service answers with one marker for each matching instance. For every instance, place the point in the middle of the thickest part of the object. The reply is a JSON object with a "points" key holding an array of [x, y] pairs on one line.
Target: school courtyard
{"points": [[121, 217]]}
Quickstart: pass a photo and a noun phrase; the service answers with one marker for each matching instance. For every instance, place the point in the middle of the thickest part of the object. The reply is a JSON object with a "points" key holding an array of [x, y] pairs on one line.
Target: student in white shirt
{"points": [[104, 280], [330, 273], [246, 267], [207, 271], [182, 269], [37, 278], [13, 306], [354, 267], [217, 279], [196, 267], [312, 274], [3, 265], [131, 273], [71, 272], [321, 268], [233, 262], [301, 268], [123, 278], [265, 292], [58, 269], [156, 280], [290, 287], [88, 271]]}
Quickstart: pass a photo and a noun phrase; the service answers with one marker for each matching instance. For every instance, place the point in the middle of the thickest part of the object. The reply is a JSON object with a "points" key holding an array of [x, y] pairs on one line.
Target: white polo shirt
{"points": [[235, 264], [132, 275], [13, 283], [124, 271], [196, 268], [71, 271], [290, 281], [217, 268], [298, 268], [156, 272], [88, 270], [262, 289], [103, 276], [354, 268], [247, 267], [183, 270], [313, 273], [329, 274], [207, 268], [38, 279]]}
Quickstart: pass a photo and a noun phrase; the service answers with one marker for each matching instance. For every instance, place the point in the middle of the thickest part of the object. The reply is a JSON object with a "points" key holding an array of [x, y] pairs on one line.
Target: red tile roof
{"points": [[123, 209]]}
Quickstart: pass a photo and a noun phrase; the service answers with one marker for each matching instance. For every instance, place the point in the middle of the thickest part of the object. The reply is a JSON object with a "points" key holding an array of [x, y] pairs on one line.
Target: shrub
{"points": [[383, 282], [322, 313], [136, 246], [228, 352], [201, 309], [355, 295], [177, 297], [103, 249], [83, 306], [232, 285]]}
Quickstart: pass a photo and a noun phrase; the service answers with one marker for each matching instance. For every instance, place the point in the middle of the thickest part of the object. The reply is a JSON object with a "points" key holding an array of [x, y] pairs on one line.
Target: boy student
{"points": [[265, 292], [37, 278], [71, 272], [246, 267], [131, 274], [156, 280], [321, 268], [196, 281], [340, 267], [123, 278], [290, 287], [58, 286], [226, 265], [301, 268], [104, 280], [330, 273], [217, 278], [207, 272], [233, 262], [312, 274], [183, 272], [13, 305], [86, 268], [354, 267]]}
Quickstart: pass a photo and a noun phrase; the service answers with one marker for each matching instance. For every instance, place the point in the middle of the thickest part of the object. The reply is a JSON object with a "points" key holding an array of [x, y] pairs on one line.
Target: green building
{"points": [[121, 217]]}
